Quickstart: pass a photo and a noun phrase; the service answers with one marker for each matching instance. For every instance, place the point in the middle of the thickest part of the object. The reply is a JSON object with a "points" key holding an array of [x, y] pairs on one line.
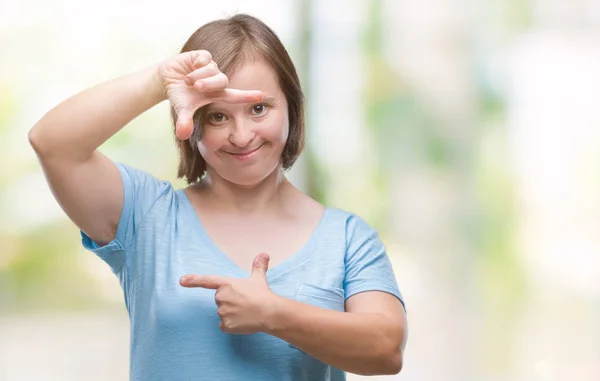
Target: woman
{"points": [[240, 275]]}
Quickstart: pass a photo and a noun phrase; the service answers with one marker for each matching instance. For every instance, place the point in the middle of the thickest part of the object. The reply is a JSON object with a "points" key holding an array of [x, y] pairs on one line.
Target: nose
{"points": [[242, 134]]}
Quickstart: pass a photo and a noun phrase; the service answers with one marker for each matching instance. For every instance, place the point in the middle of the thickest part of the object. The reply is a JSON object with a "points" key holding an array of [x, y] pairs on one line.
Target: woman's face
{"points": [[243, 143]]}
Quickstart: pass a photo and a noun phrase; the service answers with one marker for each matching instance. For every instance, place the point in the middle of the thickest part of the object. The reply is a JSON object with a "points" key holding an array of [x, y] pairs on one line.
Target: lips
{"points": [[245, 153]]}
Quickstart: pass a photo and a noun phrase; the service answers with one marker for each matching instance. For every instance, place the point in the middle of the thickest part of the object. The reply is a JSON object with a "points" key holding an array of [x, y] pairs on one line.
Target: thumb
{"points": [[184, 125], [260, 265]]}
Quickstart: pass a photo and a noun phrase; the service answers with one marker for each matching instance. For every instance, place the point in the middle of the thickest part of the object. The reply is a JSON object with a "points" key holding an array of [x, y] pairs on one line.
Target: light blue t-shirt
{"points": [[175, 331]]}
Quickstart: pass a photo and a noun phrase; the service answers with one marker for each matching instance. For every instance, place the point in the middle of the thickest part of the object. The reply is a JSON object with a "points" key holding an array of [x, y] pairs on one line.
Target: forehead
{"points": [[255, 75]]}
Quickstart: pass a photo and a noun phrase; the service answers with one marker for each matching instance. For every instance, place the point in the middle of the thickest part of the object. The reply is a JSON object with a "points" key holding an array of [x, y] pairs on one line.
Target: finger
{"points": [[184, 125], [204, 281], [219, 298], [222, 294], [260, 265], [204, 72], [200, 58], [217, 82], [239, 96]]}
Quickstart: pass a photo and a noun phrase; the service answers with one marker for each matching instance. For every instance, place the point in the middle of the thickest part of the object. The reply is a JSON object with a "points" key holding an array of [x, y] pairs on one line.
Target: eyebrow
{"points": [[266, 99]]}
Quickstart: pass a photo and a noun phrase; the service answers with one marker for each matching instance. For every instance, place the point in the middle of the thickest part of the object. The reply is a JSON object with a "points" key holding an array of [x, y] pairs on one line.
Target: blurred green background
{"points": [[468, 133]]}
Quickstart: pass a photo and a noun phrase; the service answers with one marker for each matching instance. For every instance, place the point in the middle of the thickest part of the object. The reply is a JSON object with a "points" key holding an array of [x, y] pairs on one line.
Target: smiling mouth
{"points": [[242, 154]]}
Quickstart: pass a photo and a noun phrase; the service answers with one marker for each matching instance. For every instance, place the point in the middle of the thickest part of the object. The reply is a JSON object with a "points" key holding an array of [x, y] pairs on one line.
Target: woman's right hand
{"points": [[193, 80]]}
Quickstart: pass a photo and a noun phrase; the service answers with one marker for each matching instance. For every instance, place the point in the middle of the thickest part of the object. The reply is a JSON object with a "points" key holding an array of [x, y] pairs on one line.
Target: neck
{"points": [[226, 195]]}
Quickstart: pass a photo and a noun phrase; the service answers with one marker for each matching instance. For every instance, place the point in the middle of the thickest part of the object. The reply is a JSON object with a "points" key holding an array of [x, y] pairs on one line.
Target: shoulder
{"points": [[142, 190], [352, 222], [139, 179], [355, 232], [139, 175]]}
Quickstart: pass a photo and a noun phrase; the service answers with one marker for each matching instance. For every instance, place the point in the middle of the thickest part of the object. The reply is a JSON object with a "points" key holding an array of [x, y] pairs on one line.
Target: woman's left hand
{"points": [[244, 305]]}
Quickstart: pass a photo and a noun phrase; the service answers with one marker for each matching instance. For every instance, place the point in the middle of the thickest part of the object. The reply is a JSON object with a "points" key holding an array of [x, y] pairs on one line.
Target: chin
{"points": [[248, 179]]}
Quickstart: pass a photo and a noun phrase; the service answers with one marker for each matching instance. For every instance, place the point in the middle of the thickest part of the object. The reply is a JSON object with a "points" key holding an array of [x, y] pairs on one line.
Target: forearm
{"points": [[78, 126], [361, 343]]}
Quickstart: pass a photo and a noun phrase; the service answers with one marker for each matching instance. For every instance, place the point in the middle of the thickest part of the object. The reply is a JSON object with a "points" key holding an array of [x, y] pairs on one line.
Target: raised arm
{"points": [[86, 184]]}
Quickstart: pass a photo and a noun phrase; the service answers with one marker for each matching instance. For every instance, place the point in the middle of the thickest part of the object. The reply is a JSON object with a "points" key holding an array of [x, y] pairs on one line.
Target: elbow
{"points": [[393, 363], [48, 145], [391, 350], [35, 140], [390, 354], [388, 360], [43, 145]]}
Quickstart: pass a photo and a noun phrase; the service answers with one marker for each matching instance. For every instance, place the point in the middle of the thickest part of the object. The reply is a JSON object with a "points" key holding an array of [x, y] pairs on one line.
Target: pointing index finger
{"points": [[204, 281], [240, 96]]}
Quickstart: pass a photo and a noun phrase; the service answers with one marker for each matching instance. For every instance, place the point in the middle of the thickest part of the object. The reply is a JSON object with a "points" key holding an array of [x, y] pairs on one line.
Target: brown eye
{"points": [[259, 109], [216, 117]]}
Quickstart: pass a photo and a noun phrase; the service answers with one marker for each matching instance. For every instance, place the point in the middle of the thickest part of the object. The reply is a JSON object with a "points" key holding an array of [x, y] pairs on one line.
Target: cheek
{"points": [[278, 131], [207, 145], [285, 131], [202, 149]]}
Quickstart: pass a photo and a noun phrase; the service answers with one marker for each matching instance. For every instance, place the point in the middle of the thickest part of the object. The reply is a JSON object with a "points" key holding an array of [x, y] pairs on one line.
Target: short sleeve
{"points": [[368, 267], [140, 192]]}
